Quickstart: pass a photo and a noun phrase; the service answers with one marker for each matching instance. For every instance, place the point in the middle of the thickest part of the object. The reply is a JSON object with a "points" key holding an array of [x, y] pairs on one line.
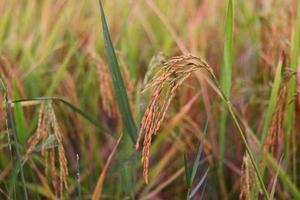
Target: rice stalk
{"points": [[11, 125], [290, 119], [3, 117], [172, 74], [78, 177], [272, 162]]}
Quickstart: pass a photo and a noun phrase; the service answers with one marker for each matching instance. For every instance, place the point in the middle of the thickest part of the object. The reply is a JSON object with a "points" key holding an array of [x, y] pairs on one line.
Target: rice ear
{"points": [[48, 124], [171, 76]]}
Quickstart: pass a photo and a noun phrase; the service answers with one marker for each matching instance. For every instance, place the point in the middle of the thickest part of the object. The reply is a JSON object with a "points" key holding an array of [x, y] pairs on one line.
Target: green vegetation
{"points": [[149, 99]]}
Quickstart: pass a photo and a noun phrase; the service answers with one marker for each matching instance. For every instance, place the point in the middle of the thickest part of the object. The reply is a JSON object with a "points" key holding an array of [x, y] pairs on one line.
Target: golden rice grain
{"points": [[171, 75]]}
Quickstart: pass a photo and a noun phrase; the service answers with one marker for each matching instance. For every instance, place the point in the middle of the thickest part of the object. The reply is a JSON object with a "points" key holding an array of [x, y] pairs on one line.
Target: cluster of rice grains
{"points": [[164, 84], [106, 90], [108, 100], [49, 135], [247, 179], [275, 136]]}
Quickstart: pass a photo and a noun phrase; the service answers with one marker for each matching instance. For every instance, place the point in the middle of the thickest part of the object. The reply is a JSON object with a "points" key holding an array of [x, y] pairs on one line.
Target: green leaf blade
{"points": [[225, 85], [199, 151], [118, 82], [228, 52]]}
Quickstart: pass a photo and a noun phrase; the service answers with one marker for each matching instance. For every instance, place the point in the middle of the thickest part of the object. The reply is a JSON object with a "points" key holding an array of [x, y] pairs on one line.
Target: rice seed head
{"points": [[276, 134], [53, 171], [108, 100], [106, 90], [48, 124], [35, 138], [61, 151], [246, 179], [171, 75]]}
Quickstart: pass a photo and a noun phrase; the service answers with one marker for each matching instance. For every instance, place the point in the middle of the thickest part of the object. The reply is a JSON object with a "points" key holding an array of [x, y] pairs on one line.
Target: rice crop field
{"points": [[149, 99]]}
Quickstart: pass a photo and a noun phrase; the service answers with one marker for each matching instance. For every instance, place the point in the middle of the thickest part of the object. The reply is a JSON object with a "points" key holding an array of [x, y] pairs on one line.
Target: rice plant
{"points": [[149, 99]]}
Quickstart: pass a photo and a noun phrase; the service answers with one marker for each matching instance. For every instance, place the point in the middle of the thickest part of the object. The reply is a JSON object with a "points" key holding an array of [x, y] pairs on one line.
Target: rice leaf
{"points": [[11, 125], [99, 186], [248, 149], [62, 69], [20, 118], [187, 172], [225, 84], [118, 82], [191, 173], [272, 102], [291, 107], [268, 118], [226, 70], [282, 174], [199, 151], [72, 107], [200, 183], [275, 180]]}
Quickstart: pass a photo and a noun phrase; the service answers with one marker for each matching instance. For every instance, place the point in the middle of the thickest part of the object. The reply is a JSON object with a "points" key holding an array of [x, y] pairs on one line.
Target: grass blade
{"points": [[12, 126], [283, 176], [98, 189], [191, 173], [226, 70], [164, 184], [44, 182], [270, 111], [60, 72], [272, 104], [275, 181], [199, 184], [72, 107], [118, 82], [225, 84], [20, 118], [199, 151], [290, 116], [187, 172], [78, 178], [248, 149]]}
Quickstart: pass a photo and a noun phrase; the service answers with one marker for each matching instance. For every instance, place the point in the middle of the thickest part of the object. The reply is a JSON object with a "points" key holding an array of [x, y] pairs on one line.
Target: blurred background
{"points": [[56, 48]]}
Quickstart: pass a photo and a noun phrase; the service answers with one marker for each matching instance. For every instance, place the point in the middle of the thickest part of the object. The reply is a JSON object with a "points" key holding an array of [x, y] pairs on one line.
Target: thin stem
{"points": [[248, 149], [11, 124], [78, 178]]}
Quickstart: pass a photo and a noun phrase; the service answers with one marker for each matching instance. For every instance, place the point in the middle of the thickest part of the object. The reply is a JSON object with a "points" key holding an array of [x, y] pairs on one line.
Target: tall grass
{"points": [[291, 115], [18, 167], [118, 82], [225, 83], [76, 85]]}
